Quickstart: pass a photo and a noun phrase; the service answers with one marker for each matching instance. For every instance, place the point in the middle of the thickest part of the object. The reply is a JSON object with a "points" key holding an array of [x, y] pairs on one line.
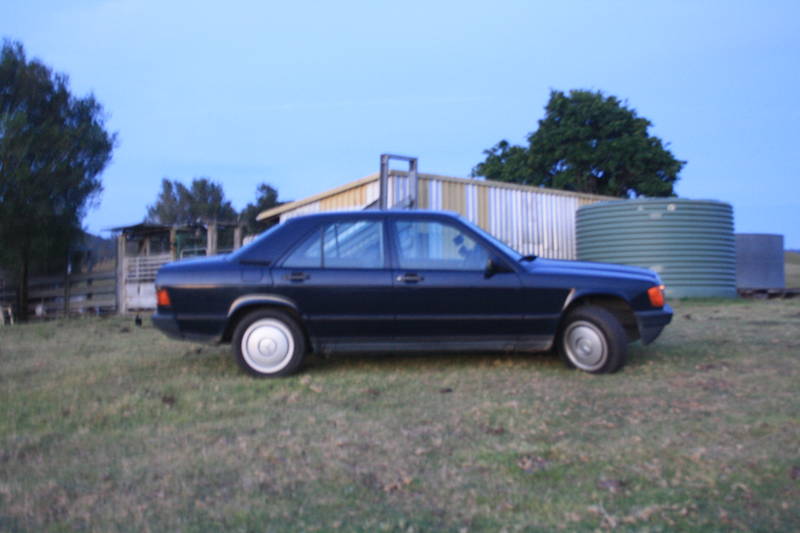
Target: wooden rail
{"points": [[75, 294]]}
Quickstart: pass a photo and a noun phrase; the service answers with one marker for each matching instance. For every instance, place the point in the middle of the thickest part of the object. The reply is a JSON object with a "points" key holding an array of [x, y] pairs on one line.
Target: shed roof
{"points": [[150, 227]]}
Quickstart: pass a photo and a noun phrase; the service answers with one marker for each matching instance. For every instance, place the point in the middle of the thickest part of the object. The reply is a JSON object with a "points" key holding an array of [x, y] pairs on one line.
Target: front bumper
{"points": [[652, 323]]}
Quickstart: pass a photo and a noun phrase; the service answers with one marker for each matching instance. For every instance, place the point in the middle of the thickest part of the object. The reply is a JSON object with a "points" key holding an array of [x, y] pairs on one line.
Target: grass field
{"points": [[792, 269], [106, 427]]}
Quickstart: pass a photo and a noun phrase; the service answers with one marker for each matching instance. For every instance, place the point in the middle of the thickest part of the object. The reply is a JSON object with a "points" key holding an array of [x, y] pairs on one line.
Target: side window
{"points": [[430, 245], [308, 254], [352, 244]]}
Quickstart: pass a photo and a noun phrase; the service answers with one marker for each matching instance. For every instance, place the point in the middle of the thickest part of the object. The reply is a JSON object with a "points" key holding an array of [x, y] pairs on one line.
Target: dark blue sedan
{"points": [[393, 281]]}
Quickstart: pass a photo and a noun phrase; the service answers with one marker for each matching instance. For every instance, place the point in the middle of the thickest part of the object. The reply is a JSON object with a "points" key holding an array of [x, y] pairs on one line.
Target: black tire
{"points": [[268, 343], [592, 339]]}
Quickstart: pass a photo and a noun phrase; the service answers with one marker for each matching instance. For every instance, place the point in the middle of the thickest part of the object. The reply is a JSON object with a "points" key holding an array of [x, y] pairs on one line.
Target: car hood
{"points": [[586, 268]]}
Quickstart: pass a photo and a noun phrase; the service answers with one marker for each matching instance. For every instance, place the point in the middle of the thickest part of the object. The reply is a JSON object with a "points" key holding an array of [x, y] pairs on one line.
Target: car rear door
{"points": [[340, 279]]}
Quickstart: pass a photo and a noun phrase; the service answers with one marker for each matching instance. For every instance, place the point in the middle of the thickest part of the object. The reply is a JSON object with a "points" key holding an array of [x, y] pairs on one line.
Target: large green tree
{"points": [[587, 142], [53, 148], [203, 201]]}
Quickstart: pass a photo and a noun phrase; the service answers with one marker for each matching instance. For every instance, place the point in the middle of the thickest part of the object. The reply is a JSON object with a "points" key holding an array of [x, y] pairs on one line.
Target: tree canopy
{"points": [[587, 142], [266, 198], [53, 148], [203, 201]]}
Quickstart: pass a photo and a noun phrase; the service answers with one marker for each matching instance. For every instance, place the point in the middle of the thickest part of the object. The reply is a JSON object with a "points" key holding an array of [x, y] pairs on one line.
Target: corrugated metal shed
{"points": [[533, 220]]}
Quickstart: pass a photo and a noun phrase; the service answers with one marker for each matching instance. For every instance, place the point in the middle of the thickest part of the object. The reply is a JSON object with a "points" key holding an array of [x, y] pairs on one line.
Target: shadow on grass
{"points": [[218, 361], [431, 361]]}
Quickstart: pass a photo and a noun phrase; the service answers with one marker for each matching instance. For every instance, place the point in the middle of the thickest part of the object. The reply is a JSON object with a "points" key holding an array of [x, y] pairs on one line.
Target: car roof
{"points": [[393, 213]]}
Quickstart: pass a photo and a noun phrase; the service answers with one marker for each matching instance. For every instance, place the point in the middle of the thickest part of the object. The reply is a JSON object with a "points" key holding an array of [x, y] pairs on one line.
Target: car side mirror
{"points": [[494, 266]]}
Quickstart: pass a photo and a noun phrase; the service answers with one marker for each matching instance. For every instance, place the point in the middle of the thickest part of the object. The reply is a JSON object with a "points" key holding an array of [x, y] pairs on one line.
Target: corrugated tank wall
{"points": [[690, 243]]}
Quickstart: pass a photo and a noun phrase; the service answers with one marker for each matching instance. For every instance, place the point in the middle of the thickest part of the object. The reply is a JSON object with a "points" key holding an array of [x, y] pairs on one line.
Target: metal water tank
{"points": [[759, 261], [689, 243]]}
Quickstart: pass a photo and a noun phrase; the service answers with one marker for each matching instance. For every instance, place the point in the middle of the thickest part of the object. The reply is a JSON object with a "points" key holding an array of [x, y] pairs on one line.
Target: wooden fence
{"points": [[74, 294]]}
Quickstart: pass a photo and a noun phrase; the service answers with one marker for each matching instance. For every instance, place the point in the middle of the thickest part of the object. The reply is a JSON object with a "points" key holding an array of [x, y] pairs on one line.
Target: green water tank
{"points": [[689, 243]]}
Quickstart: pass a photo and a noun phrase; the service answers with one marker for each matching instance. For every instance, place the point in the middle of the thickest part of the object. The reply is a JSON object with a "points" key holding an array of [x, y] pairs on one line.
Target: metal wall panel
{"points": [[760, 261], [532, 220]]}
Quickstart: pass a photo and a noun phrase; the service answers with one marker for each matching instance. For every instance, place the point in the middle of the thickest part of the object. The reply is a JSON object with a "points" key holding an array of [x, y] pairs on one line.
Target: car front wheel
{"points": [[267, 343], [593, 340]]}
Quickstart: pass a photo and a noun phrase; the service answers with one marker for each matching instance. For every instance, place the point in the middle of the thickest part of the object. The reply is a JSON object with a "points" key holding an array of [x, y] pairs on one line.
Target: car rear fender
{"points": [[250, 302]]}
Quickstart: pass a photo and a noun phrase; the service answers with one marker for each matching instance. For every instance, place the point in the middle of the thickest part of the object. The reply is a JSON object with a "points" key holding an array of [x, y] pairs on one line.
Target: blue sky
{"points": [[307, 95]]}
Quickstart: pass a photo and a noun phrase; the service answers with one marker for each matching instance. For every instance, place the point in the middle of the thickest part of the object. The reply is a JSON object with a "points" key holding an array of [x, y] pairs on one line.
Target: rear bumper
{"points": [[167, 324], [651, 323], [202, 330]]}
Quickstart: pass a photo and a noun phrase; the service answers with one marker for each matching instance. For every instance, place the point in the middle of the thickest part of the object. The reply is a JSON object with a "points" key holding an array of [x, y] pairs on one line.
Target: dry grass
{"points": [[105, 426]]}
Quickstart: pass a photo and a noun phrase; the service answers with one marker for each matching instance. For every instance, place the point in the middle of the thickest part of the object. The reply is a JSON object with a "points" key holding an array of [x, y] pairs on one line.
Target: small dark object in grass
{"points": [[687, 316], [495, 431], [446, 390], [611, 485], [124, 329], [373, 392], [138, 321], [168, 399], [65, 412], [794, 473], [532, 463]]}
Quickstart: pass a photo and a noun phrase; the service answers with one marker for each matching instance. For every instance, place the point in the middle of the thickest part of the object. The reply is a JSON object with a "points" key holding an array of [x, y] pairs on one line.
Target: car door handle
{"points": [[410, 278], [296, 276]]}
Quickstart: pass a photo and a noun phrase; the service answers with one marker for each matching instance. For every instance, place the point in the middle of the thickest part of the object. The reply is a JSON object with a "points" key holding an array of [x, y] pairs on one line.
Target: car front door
{"points": [[443, 291], [339, 278]]}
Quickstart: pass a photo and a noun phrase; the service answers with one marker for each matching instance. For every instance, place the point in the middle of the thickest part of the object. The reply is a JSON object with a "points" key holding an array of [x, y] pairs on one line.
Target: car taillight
{"points": [[656, 295], [162, 298]]}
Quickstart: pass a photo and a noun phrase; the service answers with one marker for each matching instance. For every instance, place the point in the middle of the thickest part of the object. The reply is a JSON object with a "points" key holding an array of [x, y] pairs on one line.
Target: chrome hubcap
{"points": [[267, 345], [585, 345]]}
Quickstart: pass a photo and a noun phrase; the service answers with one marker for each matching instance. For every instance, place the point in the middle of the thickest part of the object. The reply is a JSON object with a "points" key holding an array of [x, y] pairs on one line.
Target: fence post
{"points": [[121, 303], [66, 292], [173, 242], [237, 237], [211, 239]]}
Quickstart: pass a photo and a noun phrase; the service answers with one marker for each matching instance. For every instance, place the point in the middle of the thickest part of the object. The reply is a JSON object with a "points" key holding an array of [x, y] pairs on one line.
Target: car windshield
{"points": [[509, 251]]}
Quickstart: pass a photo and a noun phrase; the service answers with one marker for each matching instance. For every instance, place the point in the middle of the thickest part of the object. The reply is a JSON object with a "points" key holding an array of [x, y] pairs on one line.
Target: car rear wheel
{"points": [[593, 340], [268, 343]]}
